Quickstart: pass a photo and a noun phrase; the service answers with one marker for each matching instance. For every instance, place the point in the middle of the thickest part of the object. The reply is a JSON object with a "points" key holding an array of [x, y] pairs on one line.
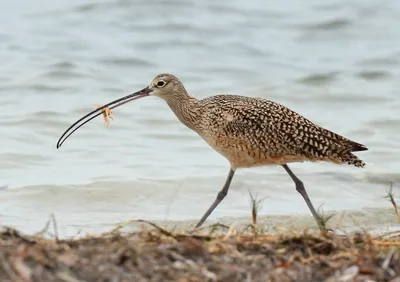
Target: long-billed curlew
{"points": [[247, 131]]}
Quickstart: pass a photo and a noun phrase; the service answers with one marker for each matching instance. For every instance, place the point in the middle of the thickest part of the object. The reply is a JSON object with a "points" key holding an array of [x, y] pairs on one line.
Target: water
{"points": [[337, 63]]}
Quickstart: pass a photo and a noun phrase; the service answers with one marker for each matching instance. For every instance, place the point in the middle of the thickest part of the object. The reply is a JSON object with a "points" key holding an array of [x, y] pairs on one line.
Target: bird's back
{"points": [[254, 131]]}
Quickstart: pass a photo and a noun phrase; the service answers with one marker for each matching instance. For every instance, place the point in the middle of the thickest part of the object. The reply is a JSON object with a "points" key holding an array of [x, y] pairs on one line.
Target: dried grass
{"points": [[157, 254], [390, 197]]}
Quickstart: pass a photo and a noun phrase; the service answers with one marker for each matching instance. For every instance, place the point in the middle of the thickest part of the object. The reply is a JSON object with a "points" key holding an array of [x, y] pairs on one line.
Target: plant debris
{"points": [[156, 254], [107, 113]]}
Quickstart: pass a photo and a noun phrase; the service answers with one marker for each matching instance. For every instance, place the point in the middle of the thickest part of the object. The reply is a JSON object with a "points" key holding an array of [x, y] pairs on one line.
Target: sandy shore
{"points": [[342, 222]]}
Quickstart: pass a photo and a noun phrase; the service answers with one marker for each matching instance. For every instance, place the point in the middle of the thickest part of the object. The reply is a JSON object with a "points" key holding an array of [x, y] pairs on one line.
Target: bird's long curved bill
{"points": [[99, 111]]}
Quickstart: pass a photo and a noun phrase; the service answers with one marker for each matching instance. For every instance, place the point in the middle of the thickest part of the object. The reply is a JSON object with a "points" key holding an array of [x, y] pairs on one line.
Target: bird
{"points": [[247, 131]]}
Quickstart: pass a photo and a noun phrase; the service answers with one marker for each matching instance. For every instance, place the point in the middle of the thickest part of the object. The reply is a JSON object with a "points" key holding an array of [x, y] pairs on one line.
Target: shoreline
{"points": [[374, 220]]}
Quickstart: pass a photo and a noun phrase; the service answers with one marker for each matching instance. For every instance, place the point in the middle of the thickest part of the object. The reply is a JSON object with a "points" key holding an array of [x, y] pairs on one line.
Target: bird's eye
{"points": [[160, 83]]}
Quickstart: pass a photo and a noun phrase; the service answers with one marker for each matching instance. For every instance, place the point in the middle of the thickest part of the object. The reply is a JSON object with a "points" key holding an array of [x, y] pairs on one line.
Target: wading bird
{"points": [[248, 132]]}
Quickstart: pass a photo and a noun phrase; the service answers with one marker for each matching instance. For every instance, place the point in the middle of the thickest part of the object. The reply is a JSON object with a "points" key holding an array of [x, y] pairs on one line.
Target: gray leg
{"points": [[300, 188], [221, 195]]}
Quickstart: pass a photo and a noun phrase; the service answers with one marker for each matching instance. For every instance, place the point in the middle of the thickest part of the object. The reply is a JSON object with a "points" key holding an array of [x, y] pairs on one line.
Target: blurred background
{"points": [[336, 62]]}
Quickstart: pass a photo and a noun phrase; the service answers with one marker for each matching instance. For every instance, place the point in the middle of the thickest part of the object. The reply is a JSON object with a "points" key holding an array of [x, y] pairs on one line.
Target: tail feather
{"points": [[352, 159], [318, 143], [349, 146], [339, 147], [357, 147], [343, 141]]}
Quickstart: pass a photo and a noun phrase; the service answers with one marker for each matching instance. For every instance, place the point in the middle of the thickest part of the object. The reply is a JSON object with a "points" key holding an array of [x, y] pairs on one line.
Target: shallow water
{"points": [[337, 63]]}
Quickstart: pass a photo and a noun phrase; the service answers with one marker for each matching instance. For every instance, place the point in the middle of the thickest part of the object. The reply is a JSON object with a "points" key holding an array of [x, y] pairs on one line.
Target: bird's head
{"points": [[166, 86]]}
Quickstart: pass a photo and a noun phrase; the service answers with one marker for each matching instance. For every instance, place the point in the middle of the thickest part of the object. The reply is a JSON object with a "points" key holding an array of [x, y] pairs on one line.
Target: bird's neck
{"points": [[187, 110]]}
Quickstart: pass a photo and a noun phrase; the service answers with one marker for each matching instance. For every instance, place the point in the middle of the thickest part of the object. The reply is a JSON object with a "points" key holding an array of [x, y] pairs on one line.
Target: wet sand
{"points": [[342, 222]]}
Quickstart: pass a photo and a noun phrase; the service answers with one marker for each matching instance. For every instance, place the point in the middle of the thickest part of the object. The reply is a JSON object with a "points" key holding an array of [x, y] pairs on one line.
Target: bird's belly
{"points": [[242, 154]]}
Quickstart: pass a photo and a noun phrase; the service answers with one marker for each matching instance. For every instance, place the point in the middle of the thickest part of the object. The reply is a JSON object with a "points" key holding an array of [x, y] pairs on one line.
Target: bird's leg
{"points": [[221, 195], [300, 188]]}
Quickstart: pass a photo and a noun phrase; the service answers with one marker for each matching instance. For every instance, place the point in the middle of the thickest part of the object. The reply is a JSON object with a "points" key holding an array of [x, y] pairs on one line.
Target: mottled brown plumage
{"points": [[254, 132], [247, 131]]}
